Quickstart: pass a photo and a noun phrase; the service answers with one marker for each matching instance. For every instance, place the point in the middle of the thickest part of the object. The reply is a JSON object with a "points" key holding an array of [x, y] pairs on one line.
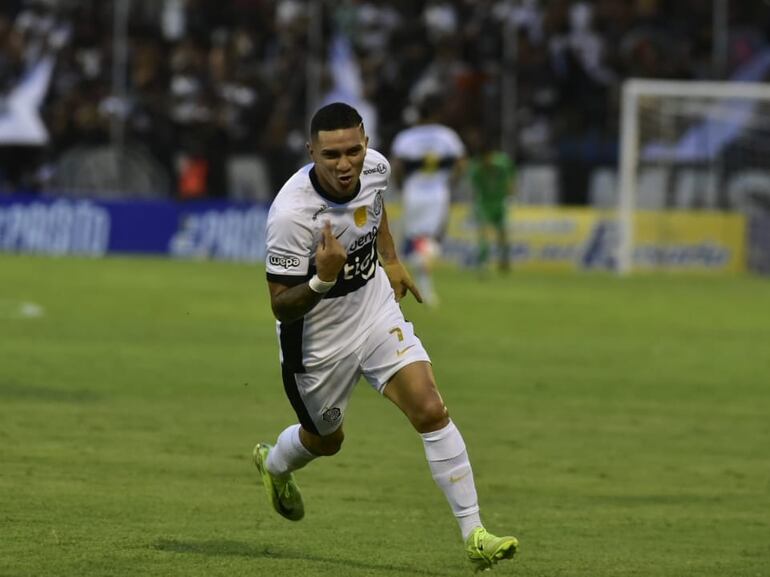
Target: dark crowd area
{"points": [[216, 91]]}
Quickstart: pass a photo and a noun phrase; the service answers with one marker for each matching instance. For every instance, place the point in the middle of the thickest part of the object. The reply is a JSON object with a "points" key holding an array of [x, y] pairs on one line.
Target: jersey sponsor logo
{"points": [[286, 262], [379, 169], [370, 236], [359, 268], [359, 216], [361, 265]]}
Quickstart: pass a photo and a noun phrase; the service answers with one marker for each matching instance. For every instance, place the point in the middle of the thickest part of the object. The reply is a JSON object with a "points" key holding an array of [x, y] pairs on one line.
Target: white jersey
{"points": [[298, 213], [429, 153]]}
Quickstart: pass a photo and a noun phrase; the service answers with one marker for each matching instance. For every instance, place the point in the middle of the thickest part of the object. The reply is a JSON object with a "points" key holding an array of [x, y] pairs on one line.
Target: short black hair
{"points": [[333, 117]]}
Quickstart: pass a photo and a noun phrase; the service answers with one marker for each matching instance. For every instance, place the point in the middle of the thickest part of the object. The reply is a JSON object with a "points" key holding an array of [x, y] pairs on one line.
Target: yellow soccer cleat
{"points": [[281, 490], [484, 549]]}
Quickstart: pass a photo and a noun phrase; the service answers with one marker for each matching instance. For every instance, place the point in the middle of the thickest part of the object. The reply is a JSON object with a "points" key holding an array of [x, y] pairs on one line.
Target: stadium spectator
{"points": [[212, 79], [339, 319]]}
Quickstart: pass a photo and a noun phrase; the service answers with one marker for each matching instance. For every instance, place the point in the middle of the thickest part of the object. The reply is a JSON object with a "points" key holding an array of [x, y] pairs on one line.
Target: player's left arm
{"points": [[398, 276]]}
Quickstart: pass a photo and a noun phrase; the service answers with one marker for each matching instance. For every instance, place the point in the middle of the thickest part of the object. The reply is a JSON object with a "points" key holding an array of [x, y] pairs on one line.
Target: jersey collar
{"points": [[320, 190]]}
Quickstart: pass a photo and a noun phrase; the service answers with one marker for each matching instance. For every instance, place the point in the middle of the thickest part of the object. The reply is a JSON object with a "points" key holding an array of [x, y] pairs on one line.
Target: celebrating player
{"points": [[335, 281]]}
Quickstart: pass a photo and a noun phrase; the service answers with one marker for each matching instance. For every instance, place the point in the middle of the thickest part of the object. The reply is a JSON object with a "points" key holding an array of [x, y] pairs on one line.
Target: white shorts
{"points": [[320, 395], [425, 213]]}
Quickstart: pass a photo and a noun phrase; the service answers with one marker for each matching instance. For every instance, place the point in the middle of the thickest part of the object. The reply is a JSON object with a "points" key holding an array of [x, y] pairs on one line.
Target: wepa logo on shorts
{"points": [[286, 262]]}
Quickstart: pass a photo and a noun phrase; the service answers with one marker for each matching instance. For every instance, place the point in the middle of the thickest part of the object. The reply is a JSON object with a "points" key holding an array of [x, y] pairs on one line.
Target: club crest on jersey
{"points": [[359, 216], [377, 206]]}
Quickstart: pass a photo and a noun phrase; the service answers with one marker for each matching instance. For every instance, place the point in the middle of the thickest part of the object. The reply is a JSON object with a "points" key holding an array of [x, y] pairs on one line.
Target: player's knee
{"points": [[430, 416]]}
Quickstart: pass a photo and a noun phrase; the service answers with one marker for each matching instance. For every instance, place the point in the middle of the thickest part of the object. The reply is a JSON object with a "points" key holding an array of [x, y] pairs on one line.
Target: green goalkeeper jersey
{"points": [[491, 177]]}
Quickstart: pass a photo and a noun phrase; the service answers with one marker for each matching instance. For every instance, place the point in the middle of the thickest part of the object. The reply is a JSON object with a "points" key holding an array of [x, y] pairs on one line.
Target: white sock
{"points": [[288, 454], [421, 271], [451, 469], [424, 283]]}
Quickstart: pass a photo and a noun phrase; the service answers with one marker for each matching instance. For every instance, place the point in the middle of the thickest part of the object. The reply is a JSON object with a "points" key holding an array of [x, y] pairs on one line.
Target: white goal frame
{"points": [[633, 89]]}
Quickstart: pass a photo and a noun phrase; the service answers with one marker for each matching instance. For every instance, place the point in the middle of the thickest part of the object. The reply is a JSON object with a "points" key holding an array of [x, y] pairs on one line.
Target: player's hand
{"points": [[401, 281], [330, 256]]}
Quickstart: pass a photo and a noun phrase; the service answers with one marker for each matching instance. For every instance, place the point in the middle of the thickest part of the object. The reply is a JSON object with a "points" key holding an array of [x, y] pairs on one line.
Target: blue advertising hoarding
{"points": [[206, 229], [223, 230]]}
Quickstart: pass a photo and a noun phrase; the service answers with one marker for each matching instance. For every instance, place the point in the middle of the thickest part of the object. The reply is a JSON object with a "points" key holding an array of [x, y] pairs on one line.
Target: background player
{"points": [[338, 319], [492, 176], [428, 161]]}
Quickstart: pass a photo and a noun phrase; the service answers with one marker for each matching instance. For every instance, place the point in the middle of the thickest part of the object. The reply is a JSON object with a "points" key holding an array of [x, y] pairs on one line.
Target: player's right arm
{"points": [[290, 303]]}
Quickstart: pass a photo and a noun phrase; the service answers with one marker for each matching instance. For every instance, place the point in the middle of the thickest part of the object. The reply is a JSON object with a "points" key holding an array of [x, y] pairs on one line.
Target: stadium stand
{"points": [[217, 90]]}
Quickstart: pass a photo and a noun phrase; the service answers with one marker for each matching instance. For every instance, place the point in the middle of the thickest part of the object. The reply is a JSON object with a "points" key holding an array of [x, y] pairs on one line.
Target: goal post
{"points": [[674, 124]]}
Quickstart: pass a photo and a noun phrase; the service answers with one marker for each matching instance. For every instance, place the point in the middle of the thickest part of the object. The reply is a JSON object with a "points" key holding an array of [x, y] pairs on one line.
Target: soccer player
{"points": [[491, 174], [428, 160], [335, 281]]}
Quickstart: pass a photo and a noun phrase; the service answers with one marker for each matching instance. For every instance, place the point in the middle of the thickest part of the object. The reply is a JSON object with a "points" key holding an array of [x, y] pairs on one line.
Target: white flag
{"points": [[20, 122]]}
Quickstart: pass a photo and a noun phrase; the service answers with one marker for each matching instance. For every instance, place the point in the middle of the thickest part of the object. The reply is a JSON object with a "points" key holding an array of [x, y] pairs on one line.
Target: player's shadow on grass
{"points": [[30, 392], [215, 548]]}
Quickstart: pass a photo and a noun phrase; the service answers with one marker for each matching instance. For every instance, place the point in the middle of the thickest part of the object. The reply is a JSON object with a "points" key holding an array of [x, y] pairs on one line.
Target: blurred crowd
{"points": [[212, 80]]}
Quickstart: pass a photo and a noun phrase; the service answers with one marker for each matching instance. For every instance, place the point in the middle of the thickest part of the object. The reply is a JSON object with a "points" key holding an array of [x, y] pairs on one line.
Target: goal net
{"points": [[694, 174]]}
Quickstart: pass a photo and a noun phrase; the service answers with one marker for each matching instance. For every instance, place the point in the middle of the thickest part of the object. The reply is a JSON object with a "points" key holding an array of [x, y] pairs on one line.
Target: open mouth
{"points": [[345, 180]]}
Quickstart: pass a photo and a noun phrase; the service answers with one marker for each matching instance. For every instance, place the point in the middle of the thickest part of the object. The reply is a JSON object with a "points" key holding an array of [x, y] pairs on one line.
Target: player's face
{"points": [[339, 158]]}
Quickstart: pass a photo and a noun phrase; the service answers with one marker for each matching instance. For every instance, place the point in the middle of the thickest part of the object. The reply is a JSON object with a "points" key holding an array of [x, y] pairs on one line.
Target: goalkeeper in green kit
{"points": [[492, 178]]}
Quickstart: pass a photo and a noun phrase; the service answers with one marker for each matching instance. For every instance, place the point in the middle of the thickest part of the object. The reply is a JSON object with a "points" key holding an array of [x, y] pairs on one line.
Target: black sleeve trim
{"points": [[287, 279]]}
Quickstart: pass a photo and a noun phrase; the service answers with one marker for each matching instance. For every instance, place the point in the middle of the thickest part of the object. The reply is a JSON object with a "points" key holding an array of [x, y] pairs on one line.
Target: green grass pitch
{"points": [[618, 427]]}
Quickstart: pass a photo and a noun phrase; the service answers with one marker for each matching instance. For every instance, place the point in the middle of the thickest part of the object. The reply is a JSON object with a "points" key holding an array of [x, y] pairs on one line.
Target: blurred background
{"points": [[180, 100]]}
